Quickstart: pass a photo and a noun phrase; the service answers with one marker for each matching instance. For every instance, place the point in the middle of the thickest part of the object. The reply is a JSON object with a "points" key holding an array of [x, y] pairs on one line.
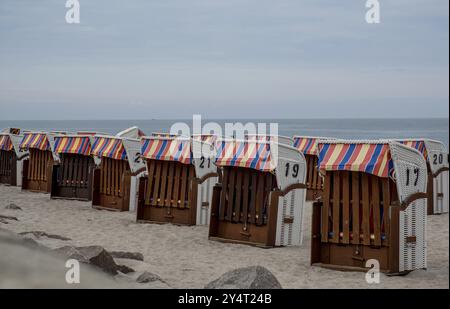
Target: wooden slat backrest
{"points": [[111, 176], [168, 184], [313, 179], [6, 158], [245, 195], [310, 171], [356, 208], [239, 194], [38, 162], [73, 171]]}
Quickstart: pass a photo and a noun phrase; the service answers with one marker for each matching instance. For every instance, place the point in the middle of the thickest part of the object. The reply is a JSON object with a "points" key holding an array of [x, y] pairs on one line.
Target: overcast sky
{"points": [[223, 58]]}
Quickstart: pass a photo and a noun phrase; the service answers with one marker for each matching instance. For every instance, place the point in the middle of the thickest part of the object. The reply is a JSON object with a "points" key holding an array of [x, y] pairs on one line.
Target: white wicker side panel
{"points": [[440, 194], [411, 177], [204, 198], [291, 206], [291, 169], [19, 173], [413, 223], [134, 191], [438, 158]]}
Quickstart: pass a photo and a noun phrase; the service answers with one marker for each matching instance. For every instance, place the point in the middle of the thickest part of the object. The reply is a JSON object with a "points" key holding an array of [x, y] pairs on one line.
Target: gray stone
{"points": [[94, 255], [71, 253], [39, 234], [147, 277], [8, 218], [125, 269], [98, 256], [253, 277], [127, 255], [12, 206]]}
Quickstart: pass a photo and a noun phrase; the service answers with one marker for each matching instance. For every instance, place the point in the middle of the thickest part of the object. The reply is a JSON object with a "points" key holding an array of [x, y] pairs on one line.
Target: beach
{"points": [[184, 257]]}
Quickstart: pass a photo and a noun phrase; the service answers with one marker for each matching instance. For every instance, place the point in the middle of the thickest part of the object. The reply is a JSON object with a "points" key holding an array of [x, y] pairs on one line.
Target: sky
{"points": [[149, 59]]}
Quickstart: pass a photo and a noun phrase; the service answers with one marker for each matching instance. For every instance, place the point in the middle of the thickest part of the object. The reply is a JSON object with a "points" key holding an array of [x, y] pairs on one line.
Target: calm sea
{"points": [[343, 128]]}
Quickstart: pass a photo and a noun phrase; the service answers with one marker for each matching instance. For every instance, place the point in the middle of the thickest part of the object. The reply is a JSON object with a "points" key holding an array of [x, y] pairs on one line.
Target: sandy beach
{"points": [[185, 258]]}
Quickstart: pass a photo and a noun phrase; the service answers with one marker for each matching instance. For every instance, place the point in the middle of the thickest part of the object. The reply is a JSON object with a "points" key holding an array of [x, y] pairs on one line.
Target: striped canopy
{"points": [[250, 154], [35, 141], [306, 145], [207, 138], [373, 158], [109, 147], [73, 144], [5, 143], [91, 133], [260, 137], [167, 149], [416, 144], [164, 134]]}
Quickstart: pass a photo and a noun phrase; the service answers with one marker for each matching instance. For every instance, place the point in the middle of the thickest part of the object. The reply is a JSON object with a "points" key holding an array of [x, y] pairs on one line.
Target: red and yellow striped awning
{"points": [[109, 147], [306, 145], [73, 144], [5, 143], [250, 154], [416, 144], [167, 149], [35, 141], [164, 134], [373, 158], [207, 138]]}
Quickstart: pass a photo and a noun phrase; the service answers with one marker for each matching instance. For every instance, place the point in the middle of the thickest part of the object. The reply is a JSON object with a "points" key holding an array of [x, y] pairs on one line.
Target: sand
{"points": [[185, 258]]}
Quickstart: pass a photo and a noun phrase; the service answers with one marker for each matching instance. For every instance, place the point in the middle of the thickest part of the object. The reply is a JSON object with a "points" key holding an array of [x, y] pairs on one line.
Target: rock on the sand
{"points": [[8, 218], [147, 277], [12, 206], [94, 255], [125, 269], [253, 277], [39, 234], [127, 255]]}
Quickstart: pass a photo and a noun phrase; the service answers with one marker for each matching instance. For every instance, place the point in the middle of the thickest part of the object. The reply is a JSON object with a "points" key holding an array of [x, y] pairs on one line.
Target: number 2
{"points": [[202, 162]]}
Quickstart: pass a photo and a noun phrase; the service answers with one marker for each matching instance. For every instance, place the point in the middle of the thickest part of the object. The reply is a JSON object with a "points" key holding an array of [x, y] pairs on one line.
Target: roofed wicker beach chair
{"points": [[314, 182], [436, 155], [72, 177], [115, 181], [11, 157], [181, 174], [260, 196], [373, 207], [38, 168]]}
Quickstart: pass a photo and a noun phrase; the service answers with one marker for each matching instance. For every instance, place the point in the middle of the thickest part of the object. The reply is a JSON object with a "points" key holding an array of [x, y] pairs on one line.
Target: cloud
{"points": [[240, 57]]}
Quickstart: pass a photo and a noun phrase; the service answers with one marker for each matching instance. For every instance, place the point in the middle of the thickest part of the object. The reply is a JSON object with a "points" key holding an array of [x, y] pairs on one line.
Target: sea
{"points": [[436, 128]]}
